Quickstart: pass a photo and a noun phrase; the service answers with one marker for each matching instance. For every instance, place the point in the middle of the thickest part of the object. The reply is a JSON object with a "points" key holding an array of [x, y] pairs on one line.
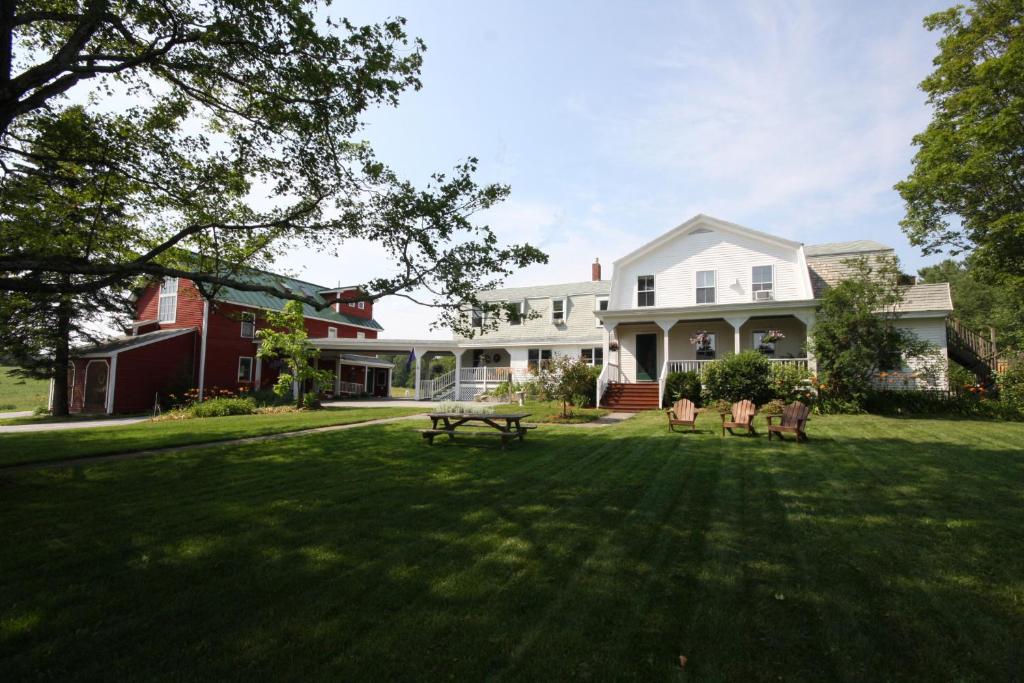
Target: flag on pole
{"points": [[408, 362]]}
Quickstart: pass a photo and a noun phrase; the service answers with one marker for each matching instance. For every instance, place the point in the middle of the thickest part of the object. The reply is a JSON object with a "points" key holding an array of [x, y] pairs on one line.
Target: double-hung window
{"points": [[705, 286], [477, 318], [332, 332], [645, 291], [602, 305], [361, 305], [245, 368], [558, 311], [594, 356], [248, 325], [762, 282], [168, 308], [535, 357]]}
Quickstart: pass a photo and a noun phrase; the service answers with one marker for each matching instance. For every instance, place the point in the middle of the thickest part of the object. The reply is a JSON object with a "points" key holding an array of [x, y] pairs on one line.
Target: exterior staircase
{"points": [[631, 398], [971, 350]]}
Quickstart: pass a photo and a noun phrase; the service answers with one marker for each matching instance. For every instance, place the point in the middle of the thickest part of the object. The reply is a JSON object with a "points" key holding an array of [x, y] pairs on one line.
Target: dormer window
{"points": [[361, 305], [516, 312], [645, 291], [762, 283], [168, 306], [705, 286], [601, 304], [558, 311]]}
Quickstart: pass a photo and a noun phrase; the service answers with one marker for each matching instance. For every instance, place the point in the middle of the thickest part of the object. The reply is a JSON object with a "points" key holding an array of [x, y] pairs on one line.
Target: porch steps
{"points": [[631, 398]]}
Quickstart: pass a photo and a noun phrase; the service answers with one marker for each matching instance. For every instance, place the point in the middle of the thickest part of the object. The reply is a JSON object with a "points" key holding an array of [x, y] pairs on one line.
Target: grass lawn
{"points": [[22, 394], [548, 412], [24, 447], [883, 549]]}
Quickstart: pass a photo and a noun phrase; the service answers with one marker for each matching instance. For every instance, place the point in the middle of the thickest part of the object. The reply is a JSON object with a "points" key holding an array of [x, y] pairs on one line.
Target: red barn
{"points": [[180, 341]]}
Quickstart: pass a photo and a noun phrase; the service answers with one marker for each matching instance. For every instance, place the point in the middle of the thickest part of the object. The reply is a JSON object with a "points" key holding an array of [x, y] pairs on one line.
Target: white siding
{"points": [[579, 323], [732, 256], [626, 335], [934, 369]]}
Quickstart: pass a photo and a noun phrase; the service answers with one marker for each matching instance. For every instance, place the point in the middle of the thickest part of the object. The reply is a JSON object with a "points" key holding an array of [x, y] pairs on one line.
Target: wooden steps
{"points": [[631, 398]]}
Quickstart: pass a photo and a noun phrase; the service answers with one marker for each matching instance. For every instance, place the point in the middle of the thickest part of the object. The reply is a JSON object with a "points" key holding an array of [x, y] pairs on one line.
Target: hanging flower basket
{"points": [[772, 336]]}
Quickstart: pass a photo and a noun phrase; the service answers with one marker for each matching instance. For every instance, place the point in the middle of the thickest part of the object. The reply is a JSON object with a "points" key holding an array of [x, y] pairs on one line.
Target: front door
{"points": [[646, 357], [380, 386], [95, 387]]}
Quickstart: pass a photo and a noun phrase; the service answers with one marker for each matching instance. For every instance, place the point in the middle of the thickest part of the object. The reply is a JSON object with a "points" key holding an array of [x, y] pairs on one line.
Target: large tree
{"points": [[230, 133], [966, 189]]}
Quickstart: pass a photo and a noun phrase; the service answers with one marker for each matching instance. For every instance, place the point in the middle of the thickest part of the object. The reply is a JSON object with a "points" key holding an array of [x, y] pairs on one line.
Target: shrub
{"points": [[773, 407], [939, 403], [743, 375], [220, 407], [311, 402], [720, 406], [565, 378], [588, 393], [1011, 386], [679, 385], [790, 382]]}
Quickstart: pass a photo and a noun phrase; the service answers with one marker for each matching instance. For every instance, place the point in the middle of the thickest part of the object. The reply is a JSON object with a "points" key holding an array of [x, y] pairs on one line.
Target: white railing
{"points": [[698, 366], [661, 383], [351, 388], [610, 374], [486, 374], [431, 389]]}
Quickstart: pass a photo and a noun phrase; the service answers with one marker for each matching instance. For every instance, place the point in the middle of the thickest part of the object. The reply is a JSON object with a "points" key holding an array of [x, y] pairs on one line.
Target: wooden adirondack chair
{"points": [[684, 413], [794, 419], [741, 417]]}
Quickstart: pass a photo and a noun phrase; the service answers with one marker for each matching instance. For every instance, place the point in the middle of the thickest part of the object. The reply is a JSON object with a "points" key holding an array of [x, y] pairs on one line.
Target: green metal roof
{"points": [[269, 301]]}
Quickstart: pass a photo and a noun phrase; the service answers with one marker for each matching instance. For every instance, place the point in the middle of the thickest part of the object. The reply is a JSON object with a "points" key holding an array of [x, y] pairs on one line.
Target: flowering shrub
{"points": [[221, 407], [187, 398], [790, 382]]}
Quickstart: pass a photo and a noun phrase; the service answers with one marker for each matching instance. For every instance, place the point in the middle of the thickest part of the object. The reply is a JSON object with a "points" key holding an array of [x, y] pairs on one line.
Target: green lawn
{"points": [[883, 549], [77, 443], [545, 412], [22, 394]]}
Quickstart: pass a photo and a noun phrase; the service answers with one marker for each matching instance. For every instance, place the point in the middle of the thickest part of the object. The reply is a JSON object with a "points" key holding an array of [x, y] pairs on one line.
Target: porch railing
{"points": [[699, 366], [351, 388], [488, 374], [610, 374]]}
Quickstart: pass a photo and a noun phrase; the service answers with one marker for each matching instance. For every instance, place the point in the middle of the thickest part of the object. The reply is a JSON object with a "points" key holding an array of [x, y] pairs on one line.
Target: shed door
{"points": [[96, 387]]}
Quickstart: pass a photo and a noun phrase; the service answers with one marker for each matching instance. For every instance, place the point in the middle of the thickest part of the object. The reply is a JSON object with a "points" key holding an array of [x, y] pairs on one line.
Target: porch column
{"points": [[609, 331], [419, 369], [337, 377], [390, 370], [665, 326], [808, 320], [458, 374], [736, 322], [258, 378]]}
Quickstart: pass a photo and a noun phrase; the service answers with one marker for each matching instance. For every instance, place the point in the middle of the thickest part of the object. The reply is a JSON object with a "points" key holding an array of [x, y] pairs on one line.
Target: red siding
{"points": [[162, 367], [190, 305], [351, 308]]}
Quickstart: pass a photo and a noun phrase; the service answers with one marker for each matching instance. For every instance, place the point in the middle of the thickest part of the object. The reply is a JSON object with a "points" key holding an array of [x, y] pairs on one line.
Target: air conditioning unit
{"points": [[763, 295]]}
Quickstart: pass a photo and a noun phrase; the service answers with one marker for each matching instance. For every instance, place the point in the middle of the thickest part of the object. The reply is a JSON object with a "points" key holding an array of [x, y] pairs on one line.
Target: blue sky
{"points": [[613, 122]]}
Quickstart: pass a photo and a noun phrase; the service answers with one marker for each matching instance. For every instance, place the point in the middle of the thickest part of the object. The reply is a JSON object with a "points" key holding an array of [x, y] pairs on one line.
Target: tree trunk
{"points": [[61, 356]]}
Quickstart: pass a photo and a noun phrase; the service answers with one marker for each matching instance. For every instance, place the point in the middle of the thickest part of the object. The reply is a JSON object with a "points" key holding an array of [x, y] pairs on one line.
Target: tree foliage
{"points": [[235, 135], [745, 375], [285, 338], [966, 189], [856, 334], [567, 379]]}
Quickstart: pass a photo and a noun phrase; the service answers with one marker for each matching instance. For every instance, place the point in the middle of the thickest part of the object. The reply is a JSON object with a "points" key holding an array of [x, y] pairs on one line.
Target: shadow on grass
{"points": [[577, 554]]}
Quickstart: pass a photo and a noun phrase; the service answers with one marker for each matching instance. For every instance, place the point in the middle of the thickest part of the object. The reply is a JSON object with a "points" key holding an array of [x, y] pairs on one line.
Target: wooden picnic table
{"points": [[507, 426]]}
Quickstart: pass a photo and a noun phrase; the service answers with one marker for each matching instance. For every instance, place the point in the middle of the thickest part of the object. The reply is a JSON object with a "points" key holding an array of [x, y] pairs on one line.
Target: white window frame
{"points": [[713, 288], [475, 315], [249, 318], [167, 295], [360, 335], [520, 314], [652, 291], [252, 369], [597, 309], [756, 343], [565, 311], [759, 286], [713, 338], [594, 352], [361, 305], [332, 332]]}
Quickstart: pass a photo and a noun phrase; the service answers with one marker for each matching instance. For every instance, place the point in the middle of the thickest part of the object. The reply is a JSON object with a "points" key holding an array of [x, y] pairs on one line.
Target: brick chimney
{"points": [[595, 270]]}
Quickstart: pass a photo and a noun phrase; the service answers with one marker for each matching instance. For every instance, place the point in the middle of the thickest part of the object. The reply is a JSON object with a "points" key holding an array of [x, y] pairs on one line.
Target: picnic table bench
{"points": [[506, 426]]}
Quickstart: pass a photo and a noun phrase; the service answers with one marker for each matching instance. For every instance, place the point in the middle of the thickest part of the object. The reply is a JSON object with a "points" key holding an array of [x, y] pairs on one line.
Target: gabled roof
{"points": [[837, 248], [597, 287], [119, 344], [701, 220]]}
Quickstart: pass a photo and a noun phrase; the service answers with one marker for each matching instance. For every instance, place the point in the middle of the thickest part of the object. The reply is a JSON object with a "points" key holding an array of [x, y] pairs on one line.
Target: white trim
{"points": [[753, 296], [565, 310], [132, 347], [598, 311], [712, 223], [653, 290], [307, 317], [332, 332], [696, 274], [161, 296], [252, 371], [361, 305], [242, 322], [202, 349], [111, 383], [360, 335]]}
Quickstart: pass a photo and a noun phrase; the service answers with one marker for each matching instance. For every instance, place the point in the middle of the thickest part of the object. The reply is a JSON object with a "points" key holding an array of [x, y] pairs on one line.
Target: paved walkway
{"points": [[604, 420], [70, 424], [114, 457], [19, 413]]}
